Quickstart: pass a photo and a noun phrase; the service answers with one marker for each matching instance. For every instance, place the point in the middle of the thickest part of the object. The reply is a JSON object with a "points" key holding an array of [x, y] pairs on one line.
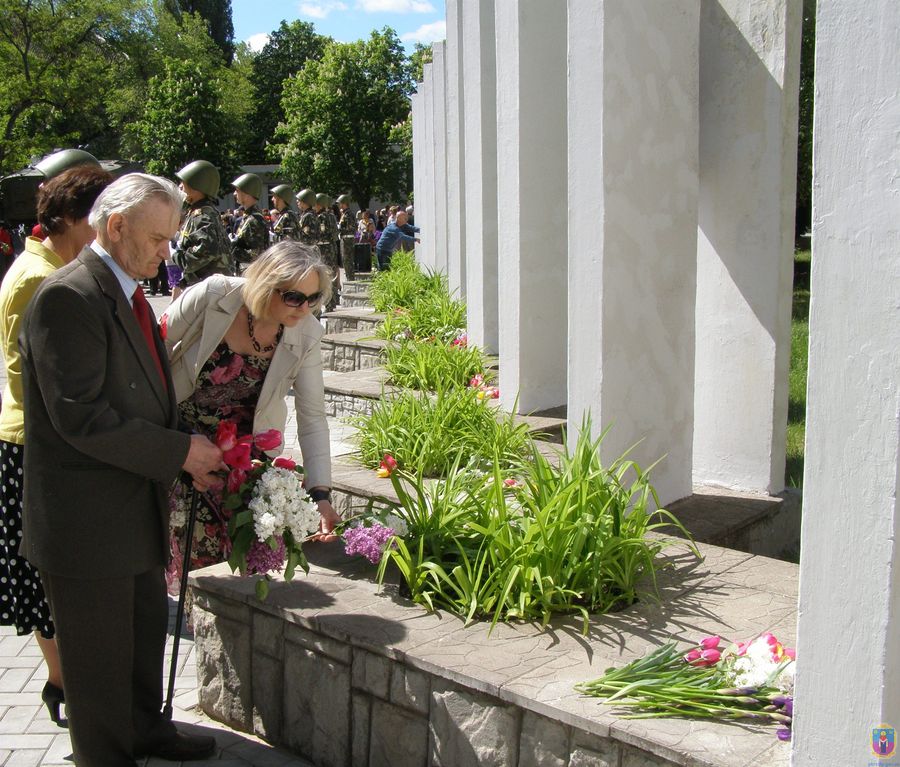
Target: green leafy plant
{"points": [[434, 315], [402, 284], [531, 540], [430, 435], [430, 365]]}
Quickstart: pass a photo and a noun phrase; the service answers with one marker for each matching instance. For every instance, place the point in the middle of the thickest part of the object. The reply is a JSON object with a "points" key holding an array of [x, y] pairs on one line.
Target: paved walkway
{"points": [[27, 736]]}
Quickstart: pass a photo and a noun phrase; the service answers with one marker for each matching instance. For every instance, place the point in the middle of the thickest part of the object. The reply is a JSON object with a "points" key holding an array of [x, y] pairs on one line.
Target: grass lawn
{"points": [[796, 427]]}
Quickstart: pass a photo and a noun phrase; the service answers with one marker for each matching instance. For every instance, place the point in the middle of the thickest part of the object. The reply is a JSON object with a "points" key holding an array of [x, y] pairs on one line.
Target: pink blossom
{"points": [[461, 340], [367, 541], [693, 656], [711, 656], [510, 482], [791, 653], [222, 375], [477, 381], [388, 466], [261, 558], [284, 462], [268, 440], [710, 642]]}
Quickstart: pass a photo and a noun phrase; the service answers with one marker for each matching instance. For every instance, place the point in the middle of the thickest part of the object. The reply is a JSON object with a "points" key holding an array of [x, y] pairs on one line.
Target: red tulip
{"points": [[268, 440], [226, 435], [238, 457], [710, 643], [236, 478], [283, 462], [164, 326]]}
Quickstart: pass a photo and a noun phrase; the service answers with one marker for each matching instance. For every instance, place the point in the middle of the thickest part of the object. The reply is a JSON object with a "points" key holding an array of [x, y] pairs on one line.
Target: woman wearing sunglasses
{"points": [[237, 346]]}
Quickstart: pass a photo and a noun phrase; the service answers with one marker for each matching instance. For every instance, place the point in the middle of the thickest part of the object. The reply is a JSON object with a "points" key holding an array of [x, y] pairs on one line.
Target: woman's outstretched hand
{"points": [[329, 520]]}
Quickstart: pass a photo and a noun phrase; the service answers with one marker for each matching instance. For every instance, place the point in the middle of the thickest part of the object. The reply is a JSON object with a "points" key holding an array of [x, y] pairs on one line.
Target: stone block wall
{"points": [[345, 358], [339, 704], [337, 323], [338, 405]]}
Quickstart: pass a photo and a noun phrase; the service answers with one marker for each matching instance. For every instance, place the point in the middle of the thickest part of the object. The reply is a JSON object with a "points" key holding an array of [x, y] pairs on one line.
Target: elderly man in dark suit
{"points": [[103, 448]]}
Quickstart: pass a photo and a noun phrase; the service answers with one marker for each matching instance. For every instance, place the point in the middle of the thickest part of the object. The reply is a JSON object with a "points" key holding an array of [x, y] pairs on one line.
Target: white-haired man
{"points": [[103, 447]]}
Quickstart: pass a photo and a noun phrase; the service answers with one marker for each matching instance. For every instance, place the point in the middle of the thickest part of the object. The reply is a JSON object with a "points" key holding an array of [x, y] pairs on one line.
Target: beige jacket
{"points": [[198, 320]]}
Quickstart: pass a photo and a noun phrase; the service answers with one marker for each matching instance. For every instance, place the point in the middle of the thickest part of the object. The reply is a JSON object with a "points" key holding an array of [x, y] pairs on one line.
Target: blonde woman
{"points": [[237, 346]]}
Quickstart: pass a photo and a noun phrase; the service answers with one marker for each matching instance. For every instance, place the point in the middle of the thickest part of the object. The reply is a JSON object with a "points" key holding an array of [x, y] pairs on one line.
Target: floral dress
{"points": [[228, 388]]}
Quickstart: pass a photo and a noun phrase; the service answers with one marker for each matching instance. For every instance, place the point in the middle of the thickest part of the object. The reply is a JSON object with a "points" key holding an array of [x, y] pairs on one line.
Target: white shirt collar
{"points": [[128, 283]]}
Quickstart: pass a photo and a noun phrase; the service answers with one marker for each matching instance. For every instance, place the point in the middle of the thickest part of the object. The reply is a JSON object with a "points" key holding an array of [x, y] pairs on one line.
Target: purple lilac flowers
{"points": [[367, 541]]}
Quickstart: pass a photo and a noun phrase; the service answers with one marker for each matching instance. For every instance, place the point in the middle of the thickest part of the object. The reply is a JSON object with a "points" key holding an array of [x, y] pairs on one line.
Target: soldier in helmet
{"points": [[286, 225], [252, 236], [346, 229], [202, 247], [328, 236], [308, 232]]}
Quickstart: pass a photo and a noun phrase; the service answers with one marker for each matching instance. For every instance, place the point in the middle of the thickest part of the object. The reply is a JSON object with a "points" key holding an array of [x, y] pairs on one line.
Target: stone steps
{"points": [[342, 320], [362, 283], [351, 350], [356, 300]]}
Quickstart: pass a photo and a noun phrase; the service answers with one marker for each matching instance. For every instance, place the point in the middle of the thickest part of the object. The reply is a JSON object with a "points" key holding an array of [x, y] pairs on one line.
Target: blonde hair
{"points": [[281, 267]]}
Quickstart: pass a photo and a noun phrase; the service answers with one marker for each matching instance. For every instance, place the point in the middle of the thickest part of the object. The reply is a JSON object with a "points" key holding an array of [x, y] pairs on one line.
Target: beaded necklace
{"points": [[256, 345]]}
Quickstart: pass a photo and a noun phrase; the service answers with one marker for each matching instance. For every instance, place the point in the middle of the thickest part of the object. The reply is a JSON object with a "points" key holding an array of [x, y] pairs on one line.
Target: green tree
{"points": [[184, 121], [420, 56], [58, 59], [341, 117], [289, 48], [217, 16]]}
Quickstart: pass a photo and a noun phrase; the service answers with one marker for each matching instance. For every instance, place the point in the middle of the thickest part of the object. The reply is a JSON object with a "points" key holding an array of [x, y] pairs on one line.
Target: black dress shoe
{"points": [[184, 748]]}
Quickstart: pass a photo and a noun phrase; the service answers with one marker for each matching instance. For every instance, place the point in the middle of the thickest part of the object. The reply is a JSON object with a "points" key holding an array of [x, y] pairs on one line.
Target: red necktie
{"points": [[142, 314]]}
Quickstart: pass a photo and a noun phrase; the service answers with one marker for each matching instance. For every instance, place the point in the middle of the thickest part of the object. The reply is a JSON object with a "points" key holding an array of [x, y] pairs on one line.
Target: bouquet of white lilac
{"points": [[272, 514]]}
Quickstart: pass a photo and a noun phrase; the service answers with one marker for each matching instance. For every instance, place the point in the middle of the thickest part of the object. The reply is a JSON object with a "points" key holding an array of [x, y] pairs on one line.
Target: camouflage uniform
{"points": [[327, 236], [202, 247], [252, 236], [287, 227], [308, 228], [347, 228]]}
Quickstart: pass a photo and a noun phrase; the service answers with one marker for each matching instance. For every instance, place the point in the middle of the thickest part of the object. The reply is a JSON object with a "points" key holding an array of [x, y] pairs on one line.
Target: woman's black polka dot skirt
{"points": [[22, 601]]}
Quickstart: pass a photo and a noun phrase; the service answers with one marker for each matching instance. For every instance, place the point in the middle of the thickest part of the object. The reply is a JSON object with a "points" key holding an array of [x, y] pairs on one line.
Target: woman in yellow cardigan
{"points": [[63, 205]]}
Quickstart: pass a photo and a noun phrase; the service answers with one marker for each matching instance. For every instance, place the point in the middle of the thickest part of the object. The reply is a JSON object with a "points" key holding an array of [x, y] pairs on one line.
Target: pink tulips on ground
{"points": [[746, 680]]}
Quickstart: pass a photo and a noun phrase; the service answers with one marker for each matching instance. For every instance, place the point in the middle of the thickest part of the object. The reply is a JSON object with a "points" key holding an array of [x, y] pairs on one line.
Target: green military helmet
{"points": [[285, 192], [249, 183], [54, 164], [202, 176], [307, 196], [344, 198], [323, 199]]}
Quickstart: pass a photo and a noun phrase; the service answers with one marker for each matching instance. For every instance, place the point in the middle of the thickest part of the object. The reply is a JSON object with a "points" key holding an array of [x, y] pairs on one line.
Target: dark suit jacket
{"points": [[102, 447]]}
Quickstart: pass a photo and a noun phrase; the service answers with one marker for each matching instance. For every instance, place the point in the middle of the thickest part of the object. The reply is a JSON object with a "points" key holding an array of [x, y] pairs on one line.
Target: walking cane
{"points": [[179, 613]]}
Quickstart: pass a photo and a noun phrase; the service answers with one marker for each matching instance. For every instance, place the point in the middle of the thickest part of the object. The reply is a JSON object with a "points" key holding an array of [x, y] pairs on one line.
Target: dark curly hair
{"points": [[70, 195]]}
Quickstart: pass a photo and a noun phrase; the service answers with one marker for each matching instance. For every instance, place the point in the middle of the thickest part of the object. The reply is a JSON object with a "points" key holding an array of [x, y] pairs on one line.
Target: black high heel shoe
{"points": [[53, 696]]}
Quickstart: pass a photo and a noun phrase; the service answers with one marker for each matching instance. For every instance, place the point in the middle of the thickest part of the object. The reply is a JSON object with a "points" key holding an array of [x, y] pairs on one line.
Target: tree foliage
{"points": [[805, 122], [341, 117], [217, 17], [184, 121], [289, 48], [58, 59]]}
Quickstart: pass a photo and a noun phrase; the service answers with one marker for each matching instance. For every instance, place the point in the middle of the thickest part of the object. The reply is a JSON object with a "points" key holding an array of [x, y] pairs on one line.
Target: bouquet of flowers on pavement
{"points": [[747, 680], [271, 512]]}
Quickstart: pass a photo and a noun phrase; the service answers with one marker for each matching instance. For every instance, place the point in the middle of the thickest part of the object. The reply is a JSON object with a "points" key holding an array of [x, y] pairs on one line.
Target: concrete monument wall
{"points": [[848, 676], [439, 115], [456, 179], [417, 106], [480, 160], [633, 186], [427, 223], [531, 188], [749, 79]]}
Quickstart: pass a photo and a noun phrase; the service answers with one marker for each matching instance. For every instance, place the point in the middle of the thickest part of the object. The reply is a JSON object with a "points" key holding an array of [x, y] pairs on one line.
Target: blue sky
{"points": [[345, 20]]}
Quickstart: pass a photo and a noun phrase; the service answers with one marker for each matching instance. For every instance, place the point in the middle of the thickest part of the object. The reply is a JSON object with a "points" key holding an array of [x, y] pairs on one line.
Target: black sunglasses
{"points": [[296, 299]]}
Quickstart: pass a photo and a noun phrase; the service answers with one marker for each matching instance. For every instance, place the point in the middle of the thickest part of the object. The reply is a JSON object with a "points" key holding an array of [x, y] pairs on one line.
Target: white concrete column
{"points": [[439, 110], [456, 215], [531, 188], [848, 655], [480, 193], [427, 222], [749, 80], [633, 136], [417, 107]]}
